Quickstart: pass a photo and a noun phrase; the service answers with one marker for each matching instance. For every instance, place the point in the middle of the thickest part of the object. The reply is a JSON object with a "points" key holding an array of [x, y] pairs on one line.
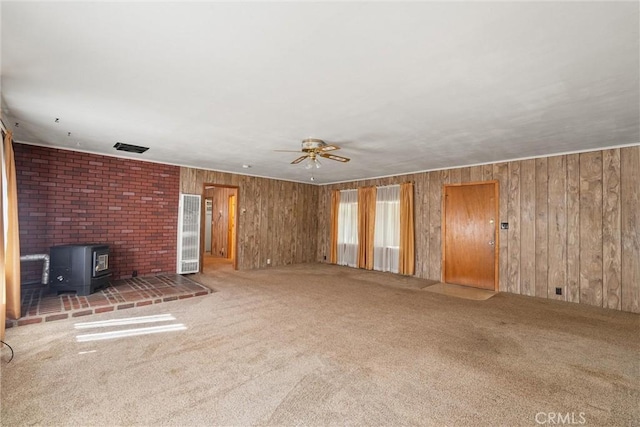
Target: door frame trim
{"points": [[205, 225], [496, 247], [234, 231]]}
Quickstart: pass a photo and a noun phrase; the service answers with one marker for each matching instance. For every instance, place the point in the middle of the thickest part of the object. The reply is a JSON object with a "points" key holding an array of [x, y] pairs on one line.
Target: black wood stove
{"points": [[79, 268]]}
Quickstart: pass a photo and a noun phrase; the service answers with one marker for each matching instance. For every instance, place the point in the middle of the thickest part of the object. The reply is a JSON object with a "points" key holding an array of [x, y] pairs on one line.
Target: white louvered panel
{"points": [[189, 234]]}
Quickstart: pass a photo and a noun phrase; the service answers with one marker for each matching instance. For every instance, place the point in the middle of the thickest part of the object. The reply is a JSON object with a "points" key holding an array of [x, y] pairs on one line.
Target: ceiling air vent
{"points": [[130, 148]]}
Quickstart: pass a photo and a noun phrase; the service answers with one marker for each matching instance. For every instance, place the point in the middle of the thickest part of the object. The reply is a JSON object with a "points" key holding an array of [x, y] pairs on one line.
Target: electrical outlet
{"points": [[558, 291], [504, 226], [325, 257], [268, 261]]}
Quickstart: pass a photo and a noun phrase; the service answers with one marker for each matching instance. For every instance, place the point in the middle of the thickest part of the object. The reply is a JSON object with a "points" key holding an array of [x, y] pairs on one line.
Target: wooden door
{"points": [[471, 235]]}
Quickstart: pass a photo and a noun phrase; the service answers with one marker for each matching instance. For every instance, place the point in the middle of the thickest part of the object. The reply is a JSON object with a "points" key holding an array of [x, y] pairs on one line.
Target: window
{"points": [[386, 242], [348, 228]]}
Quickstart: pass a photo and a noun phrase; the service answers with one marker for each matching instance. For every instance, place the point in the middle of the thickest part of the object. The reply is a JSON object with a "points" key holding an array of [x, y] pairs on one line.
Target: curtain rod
{"points": [[377, 186]]}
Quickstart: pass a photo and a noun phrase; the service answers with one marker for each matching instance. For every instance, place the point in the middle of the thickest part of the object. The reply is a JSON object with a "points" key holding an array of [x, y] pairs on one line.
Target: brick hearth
{"points": [[39, 304]]}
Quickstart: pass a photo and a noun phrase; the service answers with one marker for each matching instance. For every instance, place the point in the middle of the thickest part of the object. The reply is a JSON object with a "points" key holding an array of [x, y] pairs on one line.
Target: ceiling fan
{"points": [[314, 148]]}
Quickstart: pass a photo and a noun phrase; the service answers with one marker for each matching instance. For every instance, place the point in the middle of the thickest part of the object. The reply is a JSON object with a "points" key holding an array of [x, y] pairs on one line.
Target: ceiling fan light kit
{"points": [[312, 162]]}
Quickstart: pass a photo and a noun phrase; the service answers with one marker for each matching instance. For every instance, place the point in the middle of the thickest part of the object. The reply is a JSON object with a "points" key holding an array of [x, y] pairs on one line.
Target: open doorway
{"points": [[219, 242]]}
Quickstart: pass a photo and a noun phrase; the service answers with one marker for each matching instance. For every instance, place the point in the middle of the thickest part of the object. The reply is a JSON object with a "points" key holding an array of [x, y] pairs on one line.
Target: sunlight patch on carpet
{"points": [[130, 332], [127, 321], [121, 333]]}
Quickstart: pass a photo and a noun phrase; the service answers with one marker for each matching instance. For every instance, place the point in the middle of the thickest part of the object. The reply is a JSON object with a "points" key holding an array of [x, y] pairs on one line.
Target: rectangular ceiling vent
{"points": [[130, 148]]}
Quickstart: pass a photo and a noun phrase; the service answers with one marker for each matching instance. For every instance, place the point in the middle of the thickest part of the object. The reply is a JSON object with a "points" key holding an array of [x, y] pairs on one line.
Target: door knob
{"points": [[492, 243]]}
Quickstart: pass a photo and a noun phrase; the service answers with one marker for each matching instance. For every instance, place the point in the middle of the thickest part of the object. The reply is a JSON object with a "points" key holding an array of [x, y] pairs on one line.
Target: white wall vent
{"points": [[189, 234]]}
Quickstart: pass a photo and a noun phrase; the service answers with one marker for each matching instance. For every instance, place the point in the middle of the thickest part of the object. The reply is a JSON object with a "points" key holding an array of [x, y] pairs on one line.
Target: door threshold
{"points": [[459, 291]]}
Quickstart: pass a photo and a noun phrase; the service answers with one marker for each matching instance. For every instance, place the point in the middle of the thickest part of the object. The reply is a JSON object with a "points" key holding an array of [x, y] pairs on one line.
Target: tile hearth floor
{"points": [[39, 304]]}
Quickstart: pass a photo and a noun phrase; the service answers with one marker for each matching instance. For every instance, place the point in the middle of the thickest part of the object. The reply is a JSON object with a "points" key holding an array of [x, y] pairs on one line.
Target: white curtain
{"points": [[386, 242], [348, 228]]}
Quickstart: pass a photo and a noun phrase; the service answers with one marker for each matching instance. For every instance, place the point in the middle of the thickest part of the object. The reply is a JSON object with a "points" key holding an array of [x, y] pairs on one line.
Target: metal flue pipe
{"points": [[45, 264]]}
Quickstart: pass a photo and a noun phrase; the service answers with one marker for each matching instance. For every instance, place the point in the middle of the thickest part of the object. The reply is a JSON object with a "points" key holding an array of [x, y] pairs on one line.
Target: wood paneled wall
{"points": [[277, 220], [574, 223]]}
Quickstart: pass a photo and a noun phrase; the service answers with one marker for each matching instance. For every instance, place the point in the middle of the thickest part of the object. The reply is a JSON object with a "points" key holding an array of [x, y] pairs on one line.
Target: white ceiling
{"points": [[402, 87]]}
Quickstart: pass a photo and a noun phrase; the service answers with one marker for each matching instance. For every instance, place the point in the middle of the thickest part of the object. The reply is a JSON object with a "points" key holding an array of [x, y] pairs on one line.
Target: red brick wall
{"points": [[70, 197]]}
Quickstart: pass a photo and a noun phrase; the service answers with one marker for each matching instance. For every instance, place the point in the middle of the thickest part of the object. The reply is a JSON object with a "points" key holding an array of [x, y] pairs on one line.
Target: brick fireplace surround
{"points": [[72, 197]]}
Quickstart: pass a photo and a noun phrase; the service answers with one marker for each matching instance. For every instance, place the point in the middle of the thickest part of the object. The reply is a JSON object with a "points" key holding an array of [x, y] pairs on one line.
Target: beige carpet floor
{"points": [[325, 345]]}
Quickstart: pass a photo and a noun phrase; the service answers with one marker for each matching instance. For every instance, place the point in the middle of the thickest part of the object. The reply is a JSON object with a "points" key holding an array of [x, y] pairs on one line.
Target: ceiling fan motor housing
{"points": [[312, 144]]}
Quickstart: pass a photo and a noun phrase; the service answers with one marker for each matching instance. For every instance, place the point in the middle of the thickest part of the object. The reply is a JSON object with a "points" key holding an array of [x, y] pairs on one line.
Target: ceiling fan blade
{"points": [[329, 147], [334, 157], [287, 151], [299, 159]]}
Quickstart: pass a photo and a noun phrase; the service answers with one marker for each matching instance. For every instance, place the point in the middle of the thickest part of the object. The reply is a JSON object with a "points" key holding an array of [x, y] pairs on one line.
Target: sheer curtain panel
{"points": [[347, 246], [335, 211], [386, 246]]}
